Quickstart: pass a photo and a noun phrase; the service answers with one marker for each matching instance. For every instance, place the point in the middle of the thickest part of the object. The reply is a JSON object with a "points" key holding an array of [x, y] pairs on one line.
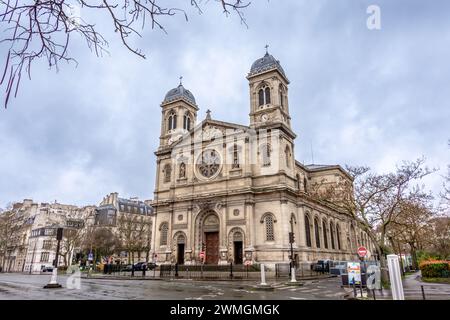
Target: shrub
{"points": [[435, 269]]}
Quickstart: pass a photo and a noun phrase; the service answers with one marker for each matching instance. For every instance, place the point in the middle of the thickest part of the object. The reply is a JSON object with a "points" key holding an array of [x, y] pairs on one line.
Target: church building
{"points": [[229, 192]]}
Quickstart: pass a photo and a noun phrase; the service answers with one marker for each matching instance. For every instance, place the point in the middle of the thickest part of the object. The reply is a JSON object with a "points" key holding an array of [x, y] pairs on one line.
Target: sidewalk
{"points": [[412, 288]]}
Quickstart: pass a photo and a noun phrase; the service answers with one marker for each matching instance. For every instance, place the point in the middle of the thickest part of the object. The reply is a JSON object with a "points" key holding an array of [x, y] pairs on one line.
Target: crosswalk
{"points": [[310, 288]]}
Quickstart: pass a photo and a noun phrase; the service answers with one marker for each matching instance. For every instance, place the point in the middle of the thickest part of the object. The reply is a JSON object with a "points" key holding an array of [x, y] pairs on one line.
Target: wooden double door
{"points": [[212, 247]]}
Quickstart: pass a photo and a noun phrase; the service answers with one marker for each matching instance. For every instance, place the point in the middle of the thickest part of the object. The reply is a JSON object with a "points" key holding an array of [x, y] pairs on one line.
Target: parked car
{"points": [[127, 267], [140, 266], [337, 268], [322, 266], [47, 269]]}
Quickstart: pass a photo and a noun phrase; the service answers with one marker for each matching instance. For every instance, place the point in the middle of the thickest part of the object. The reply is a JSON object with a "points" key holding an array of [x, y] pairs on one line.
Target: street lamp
{"points": [[291, 241]]}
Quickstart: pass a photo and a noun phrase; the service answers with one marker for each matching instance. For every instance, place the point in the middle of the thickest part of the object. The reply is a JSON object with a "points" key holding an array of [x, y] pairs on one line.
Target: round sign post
{"points": [[362, 251]]}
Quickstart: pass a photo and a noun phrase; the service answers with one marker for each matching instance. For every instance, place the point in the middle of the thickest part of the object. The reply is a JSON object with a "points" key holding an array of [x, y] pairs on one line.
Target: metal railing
{"points": [[223, 272]]}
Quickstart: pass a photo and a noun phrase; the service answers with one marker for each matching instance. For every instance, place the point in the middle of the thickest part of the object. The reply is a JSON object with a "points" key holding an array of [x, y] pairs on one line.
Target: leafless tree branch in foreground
{"points": [[43, 29]]}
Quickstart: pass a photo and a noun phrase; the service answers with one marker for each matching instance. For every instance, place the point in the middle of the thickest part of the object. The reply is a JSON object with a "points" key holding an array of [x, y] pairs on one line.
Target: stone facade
{"points": [[235, 191]]}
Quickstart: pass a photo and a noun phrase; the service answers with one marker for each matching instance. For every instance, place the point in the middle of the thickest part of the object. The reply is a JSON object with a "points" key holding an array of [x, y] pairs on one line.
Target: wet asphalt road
{"points": [[22, 286]]}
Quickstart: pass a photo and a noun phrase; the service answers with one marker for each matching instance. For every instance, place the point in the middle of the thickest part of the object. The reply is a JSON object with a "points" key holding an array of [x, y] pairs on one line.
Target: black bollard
{"points": [[231, 269], [423, 292], [132, 270], [176, 269], [144, 268]]}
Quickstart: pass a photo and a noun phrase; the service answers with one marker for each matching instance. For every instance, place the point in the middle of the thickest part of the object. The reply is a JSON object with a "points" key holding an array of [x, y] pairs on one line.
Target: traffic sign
{"points": [[362, 251]]}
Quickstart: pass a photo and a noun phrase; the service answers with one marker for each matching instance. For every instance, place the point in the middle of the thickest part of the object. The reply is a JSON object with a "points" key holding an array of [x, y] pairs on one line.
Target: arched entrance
{"points": [[179, 246], [211, 238], [207, 232], [236, 245]]}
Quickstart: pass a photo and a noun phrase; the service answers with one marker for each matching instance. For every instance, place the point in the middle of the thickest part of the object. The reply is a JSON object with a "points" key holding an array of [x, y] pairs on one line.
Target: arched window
{"points": [[338, 236], [187, 121], [268, 220], [281, 93], [332, 235], [164, 229], [305, 185], [266, 153], [267, 95], [182, 173], [167, 172], [325, 235], [261, 97], [172, 121], [298, 181], [353, 237], [264, 95], [287, 153], [317, 232], [235, 157], [307, 231]]}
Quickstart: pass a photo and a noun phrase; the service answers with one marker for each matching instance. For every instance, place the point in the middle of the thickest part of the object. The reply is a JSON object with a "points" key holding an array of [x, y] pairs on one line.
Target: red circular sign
{"points": [[362, 251], [202, 254]]}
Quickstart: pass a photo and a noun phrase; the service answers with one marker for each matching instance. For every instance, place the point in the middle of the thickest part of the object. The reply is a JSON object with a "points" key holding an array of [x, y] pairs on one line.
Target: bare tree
{"points": [[374, 199], [72, 238], [134, 232], [7, 234], [411, 226], [102, 241], [44, 30]]}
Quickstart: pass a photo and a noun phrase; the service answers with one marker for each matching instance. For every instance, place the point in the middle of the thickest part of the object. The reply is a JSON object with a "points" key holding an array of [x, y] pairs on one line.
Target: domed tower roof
{"points": [[266, 63], [179, 93]]}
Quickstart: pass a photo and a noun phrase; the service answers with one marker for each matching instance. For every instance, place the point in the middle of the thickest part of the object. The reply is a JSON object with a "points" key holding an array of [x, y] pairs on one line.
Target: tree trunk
{"points": [[415, 265]]}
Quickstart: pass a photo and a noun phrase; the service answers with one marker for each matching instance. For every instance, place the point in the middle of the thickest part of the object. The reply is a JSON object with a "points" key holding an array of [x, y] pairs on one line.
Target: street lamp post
{"points": [[291, 241], [53, 284]]}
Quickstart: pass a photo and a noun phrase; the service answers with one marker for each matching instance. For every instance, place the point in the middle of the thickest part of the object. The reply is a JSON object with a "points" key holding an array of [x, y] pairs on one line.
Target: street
{"points": [[21, 286]]}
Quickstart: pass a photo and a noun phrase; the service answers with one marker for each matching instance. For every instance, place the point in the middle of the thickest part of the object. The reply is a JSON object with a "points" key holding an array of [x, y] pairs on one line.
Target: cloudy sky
{"points": [[357, 96]]}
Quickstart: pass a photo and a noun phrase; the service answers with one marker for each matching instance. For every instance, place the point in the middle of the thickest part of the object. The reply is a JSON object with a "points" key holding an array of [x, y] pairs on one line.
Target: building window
{"points": [[187, 121], [267, 95], [305, 185], [164, 228], [287, 153], [317, 232], [47, 245], [298, 181], [332, 235], [44, 256], [172, 121], [266, 153], [167, 172], [338, 236], [281, 93], [264, 96], [269, 228], [182, 173], [307, 231], [325, 235], [235, 157]]}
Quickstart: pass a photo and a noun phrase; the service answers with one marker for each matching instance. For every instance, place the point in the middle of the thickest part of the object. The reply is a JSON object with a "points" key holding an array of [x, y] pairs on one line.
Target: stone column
{"points": [[249, 207]]}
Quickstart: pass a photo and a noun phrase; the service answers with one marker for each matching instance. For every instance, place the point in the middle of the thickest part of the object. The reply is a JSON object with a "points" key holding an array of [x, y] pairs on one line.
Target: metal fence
{"points": [[223, 272], [302, 270]]}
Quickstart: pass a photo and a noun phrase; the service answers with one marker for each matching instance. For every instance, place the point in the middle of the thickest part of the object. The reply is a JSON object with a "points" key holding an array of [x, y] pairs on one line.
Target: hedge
{"points": [[435, 269]]}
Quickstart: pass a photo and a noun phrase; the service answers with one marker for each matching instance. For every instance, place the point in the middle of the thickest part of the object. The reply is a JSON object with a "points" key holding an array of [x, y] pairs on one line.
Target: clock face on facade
{"points": [[264, 117], [208, 163]]}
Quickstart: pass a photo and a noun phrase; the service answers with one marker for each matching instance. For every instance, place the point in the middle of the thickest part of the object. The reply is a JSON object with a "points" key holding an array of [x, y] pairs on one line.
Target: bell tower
{"points": [[179, 114], [269, 103]]}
